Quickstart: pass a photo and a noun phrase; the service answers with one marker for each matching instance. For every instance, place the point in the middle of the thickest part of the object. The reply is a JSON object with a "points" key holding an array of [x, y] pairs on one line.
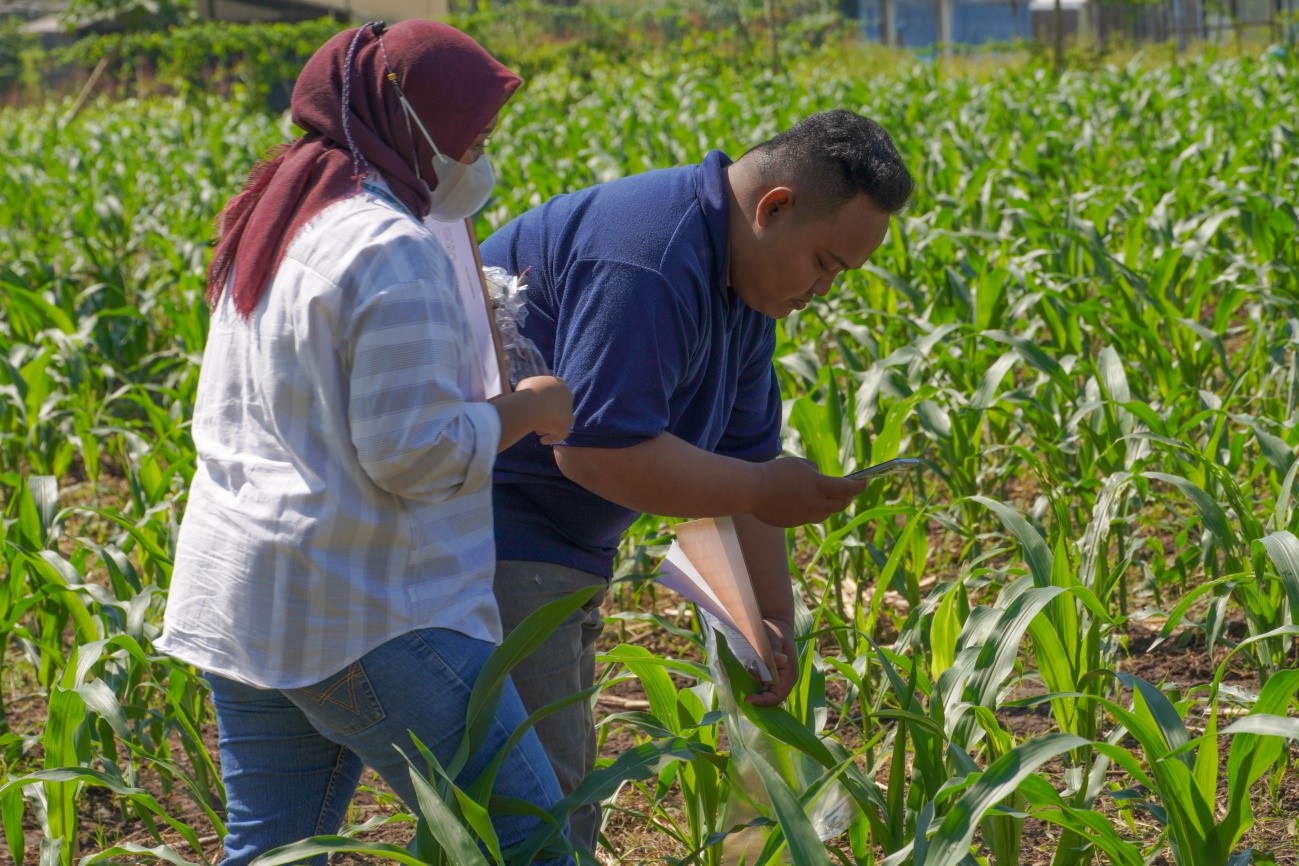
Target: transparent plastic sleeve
{"points": [[509, 305], [830, 813]]}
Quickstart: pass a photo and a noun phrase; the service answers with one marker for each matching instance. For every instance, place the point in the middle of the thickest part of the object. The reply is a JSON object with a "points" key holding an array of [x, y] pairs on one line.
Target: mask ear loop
{"points": [[360, 167], [408, 111]]}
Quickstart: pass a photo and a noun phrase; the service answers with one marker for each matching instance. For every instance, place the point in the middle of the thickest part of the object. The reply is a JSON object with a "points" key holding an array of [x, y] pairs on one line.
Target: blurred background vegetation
{"points": [[128, 48], [1086, 324]]}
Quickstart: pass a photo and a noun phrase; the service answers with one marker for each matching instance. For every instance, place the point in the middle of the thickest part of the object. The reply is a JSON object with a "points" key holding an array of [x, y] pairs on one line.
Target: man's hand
{"points": [[781, 635], [794, 492]]}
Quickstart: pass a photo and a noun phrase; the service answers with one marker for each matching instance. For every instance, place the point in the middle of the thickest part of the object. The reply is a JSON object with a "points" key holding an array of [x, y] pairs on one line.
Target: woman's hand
{"points": [[553, 420], [540, 404]]}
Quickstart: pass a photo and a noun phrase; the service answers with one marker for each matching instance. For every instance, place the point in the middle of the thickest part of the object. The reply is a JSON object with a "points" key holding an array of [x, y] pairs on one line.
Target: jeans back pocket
{"points": [[344, 702]]}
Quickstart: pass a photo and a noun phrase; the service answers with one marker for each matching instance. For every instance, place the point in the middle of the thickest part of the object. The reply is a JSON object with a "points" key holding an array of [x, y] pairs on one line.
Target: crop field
{"points": [[1070, 638]]}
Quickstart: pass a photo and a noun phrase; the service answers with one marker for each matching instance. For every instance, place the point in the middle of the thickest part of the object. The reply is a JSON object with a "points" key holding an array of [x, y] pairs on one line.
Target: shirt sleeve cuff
{"points": [[486, 422], [595, 440], [753, 454]]}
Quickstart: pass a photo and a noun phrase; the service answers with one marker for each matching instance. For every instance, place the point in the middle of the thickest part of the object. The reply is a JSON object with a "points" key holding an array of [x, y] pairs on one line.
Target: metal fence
{"points": [[921, 23]]}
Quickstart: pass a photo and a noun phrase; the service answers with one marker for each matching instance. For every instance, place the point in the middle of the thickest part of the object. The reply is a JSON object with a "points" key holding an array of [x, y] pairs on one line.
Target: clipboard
{"points": [[461, 245]]}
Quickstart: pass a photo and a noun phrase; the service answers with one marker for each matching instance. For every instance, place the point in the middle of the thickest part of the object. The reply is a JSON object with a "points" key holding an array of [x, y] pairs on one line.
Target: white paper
{"points": [[459, 244], [716, 547], [678, 575]]}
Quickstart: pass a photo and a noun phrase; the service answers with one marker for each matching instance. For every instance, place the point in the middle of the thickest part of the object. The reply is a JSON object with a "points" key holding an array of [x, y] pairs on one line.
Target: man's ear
{"points": [[773, 202]]}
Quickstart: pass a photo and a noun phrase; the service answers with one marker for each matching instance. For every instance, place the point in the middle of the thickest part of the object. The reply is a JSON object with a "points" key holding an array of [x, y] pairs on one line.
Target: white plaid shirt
{"points": [[343, 490]]}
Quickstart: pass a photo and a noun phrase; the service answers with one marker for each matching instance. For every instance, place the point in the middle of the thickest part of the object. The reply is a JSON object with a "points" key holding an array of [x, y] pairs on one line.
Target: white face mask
{"points": [[462, 189]]}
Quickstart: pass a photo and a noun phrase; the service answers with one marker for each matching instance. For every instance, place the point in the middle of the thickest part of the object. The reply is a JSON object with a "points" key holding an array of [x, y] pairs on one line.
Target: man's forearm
{"points": [[768, 565], [672, 478], [666, 476]]}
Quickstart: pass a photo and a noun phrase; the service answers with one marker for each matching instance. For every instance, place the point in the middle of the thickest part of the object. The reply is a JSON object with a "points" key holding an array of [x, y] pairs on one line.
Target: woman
{"points": [[333, 577]]}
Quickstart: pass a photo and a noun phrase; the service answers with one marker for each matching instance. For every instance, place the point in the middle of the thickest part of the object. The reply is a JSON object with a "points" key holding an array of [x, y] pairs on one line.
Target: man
{"points": [[655, 298]]}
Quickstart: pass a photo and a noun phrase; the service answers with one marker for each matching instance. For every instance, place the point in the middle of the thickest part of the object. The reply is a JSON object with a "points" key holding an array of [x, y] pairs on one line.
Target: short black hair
{"points": [[835, 156]]}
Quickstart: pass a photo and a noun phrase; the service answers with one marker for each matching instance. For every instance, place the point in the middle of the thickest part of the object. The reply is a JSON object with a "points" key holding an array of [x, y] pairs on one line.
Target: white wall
{"points": [[358, 10], [396, 10]]}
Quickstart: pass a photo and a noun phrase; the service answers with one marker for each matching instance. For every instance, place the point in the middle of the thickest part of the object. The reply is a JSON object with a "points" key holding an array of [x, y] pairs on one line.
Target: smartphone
{"points": [[888, 467]]}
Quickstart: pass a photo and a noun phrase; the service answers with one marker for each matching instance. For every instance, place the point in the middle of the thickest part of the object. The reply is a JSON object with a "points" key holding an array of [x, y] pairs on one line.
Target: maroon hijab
{"points": [[453, 84]]}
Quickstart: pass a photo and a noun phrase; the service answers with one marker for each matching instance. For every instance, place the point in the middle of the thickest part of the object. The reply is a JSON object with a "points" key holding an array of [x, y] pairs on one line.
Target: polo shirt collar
{"points": [[714, 201]]}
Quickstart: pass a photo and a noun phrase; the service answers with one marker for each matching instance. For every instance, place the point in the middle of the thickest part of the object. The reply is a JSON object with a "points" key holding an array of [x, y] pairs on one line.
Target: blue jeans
{"points": [[291, 759], [563, 665]]}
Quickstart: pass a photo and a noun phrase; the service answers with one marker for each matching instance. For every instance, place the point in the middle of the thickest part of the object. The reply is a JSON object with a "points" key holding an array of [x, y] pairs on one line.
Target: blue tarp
{"points": [[918, 23]]}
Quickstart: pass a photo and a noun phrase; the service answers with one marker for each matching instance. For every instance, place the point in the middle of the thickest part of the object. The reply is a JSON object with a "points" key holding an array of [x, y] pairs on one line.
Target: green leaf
{"points": [[164, 853], [951, 843], [887, 444], [1093, 827], [1112, 377], [134, 531], [1271, 726], [637, 763], [1274, 448], [779, 724], [1257, 749], [986, 395], [44, 490], [526, 637], [85, 775], [1283, 549], [817, 434], [804, 845], [1213, 515], [1036, 553], [300, 852], [1163, 713], [11, 811], [659, 688], [945, 629], [447, 826]]}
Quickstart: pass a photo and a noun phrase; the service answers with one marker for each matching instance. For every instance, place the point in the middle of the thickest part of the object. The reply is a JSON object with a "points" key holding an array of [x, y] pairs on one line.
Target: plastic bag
{"points": [[830, 813], [509, 305]]}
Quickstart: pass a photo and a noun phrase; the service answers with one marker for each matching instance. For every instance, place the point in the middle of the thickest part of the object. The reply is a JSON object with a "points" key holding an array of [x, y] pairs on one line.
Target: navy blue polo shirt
{"points": [[628, 300]]}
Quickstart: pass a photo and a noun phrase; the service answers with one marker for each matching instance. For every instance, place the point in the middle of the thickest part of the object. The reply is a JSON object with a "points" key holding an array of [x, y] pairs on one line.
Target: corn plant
{"points": [[1086, 325]]}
